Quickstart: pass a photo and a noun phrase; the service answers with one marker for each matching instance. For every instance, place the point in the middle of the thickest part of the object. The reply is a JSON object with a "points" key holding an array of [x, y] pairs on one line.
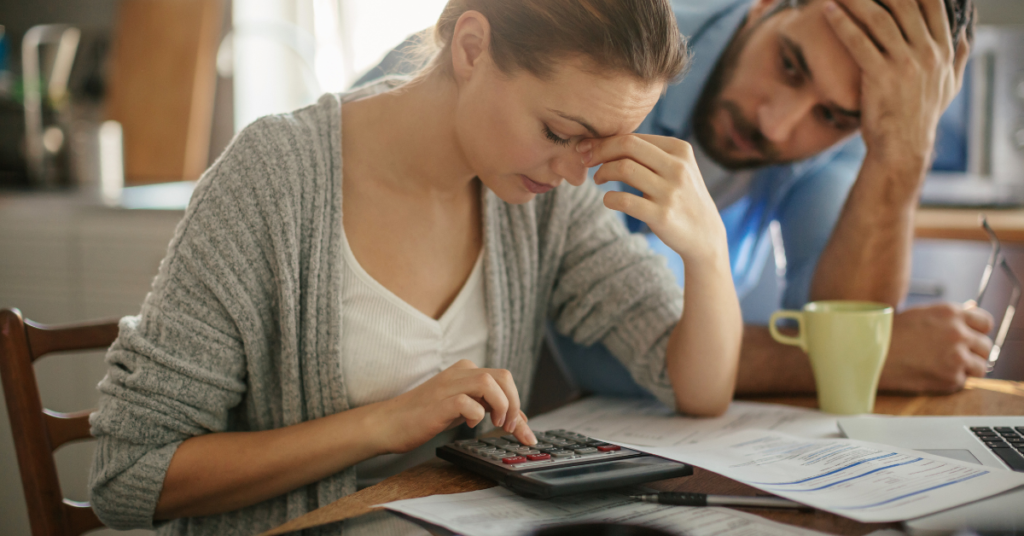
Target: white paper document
{"points": [[499, 512], [868, 482], [650, 423]]}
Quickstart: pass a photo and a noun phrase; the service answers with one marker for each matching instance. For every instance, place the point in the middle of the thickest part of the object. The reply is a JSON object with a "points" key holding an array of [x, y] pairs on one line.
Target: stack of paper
{"points": [[864, 481], [499, 512]]}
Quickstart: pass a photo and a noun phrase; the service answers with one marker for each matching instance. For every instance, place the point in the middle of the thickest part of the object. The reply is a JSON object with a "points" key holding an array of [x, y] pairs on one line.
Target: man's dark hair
{"points": [[961, 15]]}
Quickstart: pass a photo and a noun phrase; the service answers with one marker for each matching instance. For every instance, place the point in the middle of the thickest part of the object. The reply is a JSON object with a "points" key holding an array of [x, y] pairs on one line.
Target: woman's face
{"points": [[519, 132]]}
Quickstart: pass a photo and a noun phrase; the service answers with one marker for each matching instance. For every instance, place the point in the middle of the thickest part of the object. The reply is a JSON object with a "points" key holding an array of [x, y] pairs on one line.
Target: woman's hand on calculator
{"points": [[461, 393]]}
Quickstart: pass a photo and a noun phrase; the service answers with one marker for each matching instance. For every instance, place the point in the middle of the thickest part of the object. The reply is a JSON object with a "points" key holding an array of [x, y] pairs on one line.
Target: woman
{"points": [[358, 278]]}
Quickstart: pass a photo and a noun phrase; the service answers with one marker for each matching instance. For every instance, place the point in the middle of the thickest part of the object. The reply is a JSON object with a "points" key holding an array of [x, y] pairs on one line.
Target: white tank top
{"points": [[389, 347]]}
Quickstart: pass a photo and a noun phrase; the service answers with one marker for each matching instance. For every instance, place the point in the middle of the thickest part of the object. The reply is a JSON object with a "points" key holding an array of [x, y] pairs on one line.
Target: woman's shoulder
{"points": [[281, 149], [277, 172], [313, 128]]}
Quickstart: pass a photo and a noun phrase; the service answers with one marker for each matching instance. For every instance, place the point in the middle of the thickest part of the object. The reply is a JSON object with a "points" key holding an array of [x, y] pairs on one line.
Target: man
{"points": [[774, 101], [821, 115]]}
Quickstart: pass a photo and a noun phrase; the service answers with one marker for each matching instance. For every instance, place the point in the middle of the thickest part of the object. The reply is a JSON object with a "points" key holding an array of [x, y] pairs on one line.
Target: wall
{"points": [[1000, 11]]}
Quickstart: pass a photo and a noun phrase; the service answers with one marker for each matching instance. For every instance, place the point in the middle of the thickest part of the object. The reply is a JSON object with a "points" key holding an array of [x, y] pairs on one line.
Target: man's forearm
{"points": [[769, 368], [868, 256]]}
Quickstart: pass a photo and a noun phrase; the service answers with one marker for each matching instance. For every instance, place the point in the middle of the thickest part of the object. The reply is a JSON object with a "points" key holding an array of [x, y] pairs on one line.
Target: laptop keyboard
{"points": [[1005, 442]]}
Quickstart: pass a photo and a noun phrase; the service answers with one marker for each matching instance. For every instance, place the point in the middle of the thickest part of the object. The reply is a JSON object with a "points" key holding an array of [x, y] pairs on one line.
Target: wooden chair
{"points": [[38, 432]]}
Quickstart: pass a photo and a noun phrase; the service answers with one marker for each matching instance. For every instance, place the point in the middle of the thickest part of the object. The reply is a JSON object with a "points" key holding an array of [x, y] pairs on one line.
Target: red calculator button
{"points": [[514, 459], [538, 457], [609, 448]]}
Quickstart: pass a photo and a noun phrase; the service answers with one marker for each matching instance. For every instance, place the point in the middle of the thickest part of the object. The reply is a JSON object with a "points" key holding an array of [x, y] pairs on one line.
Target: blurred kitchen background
{"points": [[111, 109]]}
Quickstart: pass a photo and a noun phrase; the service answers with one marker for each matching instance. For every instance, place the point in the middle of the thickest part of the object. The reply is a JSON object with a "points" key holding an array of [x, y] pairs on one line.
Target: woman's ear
{"points": [[470, 43]]}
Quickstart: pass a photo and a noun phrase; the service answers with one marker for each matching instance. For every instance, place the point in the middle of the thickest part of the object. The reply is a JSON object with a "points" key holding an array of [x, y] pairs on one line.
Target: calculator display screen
{"points": [[600, 471]]}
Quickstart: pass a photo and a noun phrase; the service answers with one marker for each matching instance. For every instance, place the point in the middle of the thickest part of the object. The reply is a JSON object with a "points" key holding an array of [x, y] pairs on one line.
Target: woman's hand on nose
{"points": [[676, 205]]}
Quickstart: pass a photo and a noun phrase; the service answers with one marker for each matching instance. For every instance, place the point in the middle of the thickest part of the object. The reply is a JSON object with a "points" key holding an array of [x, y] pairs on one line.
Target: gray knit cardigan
{"points": [[242, 329]]}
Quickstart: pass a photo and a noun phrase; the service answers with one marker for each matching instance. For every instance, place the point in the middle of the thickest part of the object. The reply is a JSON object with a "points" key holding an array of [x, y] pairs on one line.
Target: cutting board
{"points": [[161, 86]]}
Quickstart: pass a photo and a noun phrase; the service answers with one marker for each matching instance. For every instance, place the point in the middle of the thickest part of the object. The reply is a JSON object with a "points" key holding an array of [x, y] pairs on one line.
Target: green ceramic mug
{"points": [[847, 342]]}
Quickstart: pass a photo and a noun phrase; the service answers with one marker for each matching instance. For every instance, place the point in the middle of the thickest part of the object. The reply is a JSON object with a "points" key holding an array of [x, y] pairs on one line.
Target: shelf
{"points": [[964, 224]]}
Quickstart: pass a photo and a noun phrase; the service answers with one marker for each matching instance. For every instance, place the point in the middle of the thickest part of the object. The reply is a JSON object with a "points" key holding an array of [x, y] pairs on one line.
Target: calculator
{"points": [[561, 463]]}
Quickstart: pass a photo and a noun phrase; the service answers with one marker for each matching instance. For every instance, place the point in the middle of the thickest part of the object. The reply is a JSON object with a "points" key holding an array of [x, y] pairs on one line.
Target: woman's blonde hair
{"points": [[638, 37]]}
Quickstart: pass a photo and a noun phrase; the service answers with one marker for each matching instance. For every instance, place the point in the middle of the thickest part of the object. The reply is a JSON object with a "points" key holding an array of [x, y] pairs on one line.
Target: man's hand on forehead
{"points": [[909, 72]]}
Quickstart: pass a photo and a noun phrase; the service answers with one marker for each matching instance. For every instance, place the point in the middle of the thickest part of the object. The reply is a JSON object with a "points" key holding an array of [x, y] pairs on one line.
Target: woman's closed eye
{"points": [[555, 137]]}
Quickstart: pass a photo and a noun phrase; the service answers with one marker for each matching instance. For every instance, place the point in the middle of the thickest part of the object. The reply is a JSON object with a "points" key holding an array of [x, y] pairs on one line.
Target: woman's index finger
{"points": [[643, 149], [669, 144]]}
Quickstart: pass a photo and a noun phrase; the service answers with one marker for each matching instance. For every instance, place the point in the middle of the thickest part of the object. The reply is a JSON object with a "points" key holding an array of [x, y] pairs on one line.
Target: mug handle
{"points": [[800, 340]]}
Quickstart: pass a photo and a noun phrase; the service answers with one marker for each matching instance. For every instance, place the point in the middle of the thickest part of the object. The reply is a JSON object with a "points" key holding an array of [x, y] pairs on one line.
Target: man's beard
{"points": [[711, 102]]}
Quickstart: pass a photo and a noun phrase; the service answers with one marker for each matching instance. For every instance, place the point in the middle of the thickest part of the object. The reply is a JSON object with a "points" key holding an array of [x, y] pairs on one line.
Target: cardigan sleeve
{"points": [[179, 368], [612, 289]]}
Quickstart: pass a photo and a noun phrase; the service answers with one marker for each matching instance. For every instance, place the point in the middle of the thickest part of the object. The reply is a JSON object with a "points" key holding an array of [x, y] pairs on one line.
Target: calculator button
{"points": [[538, 457], [513, 460], [472, 444], [528, 451], [493, 441], [510, 438], [565, 454], [977, 429], [586, 450], [542, 446], [609, 448]]}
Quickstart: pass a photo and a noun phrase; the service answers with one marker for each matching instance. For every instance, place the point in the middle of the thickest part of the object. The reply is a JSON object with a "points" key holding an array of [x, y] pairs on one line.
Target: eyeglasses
{"points": [[997, 259]]}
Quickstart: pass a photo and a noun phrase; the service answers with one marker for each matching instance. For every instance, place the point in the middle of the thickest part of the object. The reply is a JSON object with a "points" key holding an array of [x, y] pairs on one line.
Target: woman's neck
{"points": [[408, 137]]}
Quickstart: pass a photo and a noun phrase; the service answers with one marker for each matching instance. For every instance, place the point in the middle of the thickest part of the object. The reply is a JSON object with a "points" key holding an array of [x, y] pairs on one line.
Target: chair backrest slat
{"points": [[67, 427], [38, 432], [43, 339]]}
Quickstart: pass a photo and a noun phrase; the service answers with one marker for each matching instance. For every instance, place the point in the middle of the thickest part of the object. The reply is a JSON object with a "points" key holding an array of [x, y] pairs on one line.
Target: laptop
{"points": [[996, 442]]}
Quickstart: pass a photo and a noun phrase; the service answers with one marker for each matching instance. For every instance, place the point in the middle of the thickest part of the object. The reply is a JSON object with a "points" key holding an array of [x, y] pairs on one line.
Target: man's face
{"points": [[785, 89]]}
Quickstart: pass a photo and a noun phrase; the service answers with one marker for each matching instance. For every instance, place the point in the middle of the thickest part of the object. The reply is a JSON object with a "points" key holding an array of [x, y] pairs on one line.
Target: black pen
{"points": [[703, 499]]}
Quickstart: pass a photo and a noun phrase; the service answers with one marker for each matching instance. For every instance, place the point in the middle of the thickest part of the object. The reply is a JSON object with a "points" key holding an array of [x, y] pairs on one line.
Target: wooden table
{"points": [[963, 224], [980, 397]]}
